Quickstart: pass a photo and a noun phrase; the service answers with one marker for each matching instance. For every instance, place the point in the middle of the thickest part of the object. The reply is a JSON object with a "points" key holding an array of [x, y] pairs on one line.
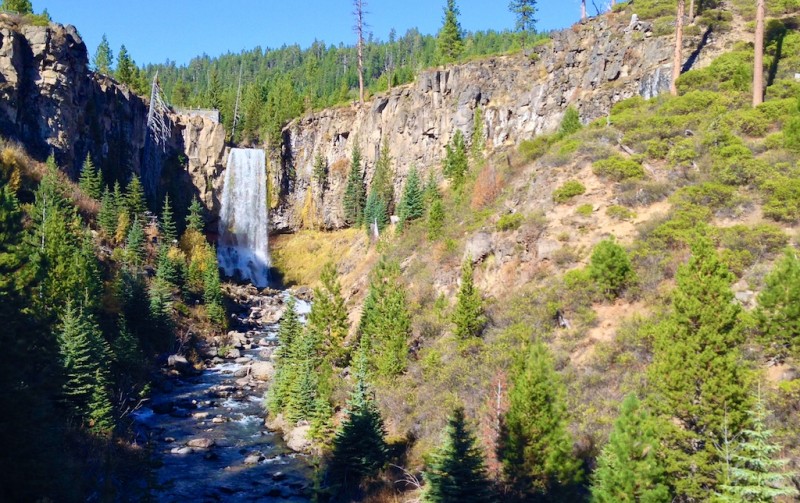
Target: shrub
{"points": [[783, 199], [642, 193], [569, 190], [712, 195], [682, 153], [762, 240], [620, 212], [618, 168], [569, 146], [791, 134], [584, 210], [570, 123], [749, 121], [611, 268], [510, 222], [530, 150]]}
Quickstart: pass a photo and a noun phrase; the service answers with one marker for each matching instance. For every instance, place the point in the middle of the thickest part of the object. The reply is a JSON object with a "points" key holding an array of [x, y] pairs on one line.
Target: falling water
{"points": [[242, 249]]}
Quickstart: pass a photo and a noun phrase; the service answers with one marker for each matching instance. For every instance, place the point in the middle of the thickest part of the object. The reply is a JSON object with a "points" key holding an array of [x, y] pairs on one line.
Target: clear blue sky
{"points": [[156, 30]]}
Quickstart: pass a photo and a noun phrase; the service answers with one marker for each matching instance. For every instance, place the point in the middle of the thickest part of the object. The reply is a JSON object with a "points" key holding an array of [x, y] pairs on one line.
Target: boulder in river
{"points": [[262, 371], [232, 354], [201, 443], [254, 458]]}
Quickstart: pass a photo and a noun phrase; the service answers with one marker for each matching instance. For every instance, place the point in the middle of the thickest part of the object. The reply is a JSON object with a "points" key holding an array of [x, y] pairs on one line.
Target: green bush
{"points": [[683, 153], [571, 122], [791, 134], [762, 240], [611, 268], [618, 168], [567, 191], [584, 210], [642, 192], [711, 195], [783, 199], [569, 146], [530, 150], [509, 222], [749, 122], [620, 212]]}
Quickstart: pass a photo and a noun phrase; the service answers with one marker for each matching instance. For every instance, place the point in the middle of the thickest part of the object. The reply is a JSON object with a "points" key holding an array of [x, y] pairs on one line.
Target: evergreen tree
{"points": [[456, 472], [468, 316], [212, 290], [524, 11], [778, 312], [412, 204], [135, 200], [375, 212], [355, 193], [18, 6], [195, 219], [169, 232], [383, 179], [214, 90], [611, 268], [433, 198], [107, 216], [328, 317], [91, 179], [125, 67], [289, 334], [127, 350], [536, 448], [570, 123], [320, 171], [135, 251], [698, 379], [450, 40], [103, 58], [302, 390], [359, 447], [456, 164], [168, 269], [160, 314], [628, 468], [385, 324], [477, 143], [100, 411], [755, 474]]}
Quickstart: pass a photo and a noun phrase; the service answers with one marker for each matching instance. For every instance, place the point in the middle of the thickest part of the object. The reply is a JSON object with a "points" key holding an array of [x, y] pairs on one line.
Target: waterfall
{"points": [[242, 249]]}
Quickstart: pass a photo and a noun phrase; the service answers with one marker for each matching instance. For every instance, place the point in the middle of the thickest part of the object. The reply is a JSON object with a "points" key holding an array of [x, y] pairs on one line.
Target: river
{"points": [[208, 436]]}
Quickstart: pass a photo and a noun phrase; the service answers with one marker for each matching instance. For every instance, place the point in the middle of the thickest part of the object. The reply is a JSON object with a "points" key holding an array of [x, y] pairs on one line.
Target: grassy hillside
{"points": [[657, 177]]}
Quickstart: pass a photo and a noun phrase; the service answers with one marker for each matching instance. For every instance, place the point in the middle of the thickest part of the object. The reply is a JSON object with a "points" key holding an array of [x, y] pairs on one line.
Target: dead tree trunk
{"points": [[583, 9], [359, 29], [678, 58], [758, 65]]}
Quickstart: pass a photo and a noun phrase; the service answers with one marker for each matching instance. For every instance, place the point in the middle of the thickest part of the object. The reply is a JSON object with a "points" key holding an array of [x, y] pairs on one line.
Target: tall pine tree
{"points": [[456, 471], [169, 233], [778, 312], [699, 382], [450, 40], [468, 317], [91, 179], [194, 220], [536, 447], [135, 200], [629, 468], [328, 317], [412, 204], [355, 196]]}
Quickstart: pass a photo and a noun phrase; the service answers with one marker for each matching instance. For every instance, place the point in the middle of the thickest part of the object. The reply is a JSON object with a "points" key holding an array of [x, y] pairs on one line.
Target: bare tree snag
{"points": [[358, 13], [677, 61], [758, 65]]}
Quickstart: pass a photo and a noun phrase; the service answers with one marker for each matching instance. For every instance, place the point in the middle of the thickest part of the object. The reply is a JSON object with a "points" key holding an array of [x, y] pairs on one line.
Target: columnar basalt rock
{"points": [[590, 66]]}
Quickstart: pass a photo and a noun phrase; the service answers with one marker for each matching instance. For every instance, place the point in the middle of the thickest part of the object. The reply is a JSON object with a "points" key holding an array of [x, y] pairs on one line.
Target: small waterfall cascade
{"points": [[242, 250]]}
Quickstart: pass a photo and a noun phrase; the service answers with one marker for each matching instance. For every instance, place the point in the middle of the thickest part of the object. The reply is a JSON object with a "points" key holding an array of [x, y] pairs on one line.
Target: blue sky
{"points": [[154, 31]]}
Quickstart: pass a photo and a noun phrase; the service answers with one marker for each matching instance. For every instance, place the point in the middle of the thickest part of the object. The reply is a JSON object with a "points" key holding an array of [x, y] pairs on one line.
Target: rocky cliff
{"points": [[590, 66], [50, 101]]}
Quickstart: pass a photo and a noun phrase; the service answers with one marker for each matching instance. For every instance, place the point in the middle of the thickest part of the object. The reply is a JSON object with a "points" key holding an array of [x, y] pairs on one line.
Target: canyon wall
{"points": [[590, 66]]}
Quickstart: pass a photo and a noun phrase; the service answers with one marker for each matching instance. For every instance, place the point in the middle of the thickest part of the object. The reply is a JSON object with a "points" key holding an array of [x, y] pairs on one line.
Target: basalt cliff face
{"points": [[50, 101], [590, 66]]}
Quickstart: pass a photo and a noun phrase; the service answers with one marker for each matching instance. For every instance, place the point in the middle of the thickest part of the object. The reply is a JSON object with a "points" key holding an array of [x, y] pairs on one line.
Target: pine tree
{"points": [[107, 216], [359, 447], [570, 123], [103, 57], [456, 164], [214, 97], [385, 325], [320, 171], [100, 410], [477, 143], [383, 179], [289, 334], [611, 268], [755, 474], [698, 380], [468, 317], [536, 448], [628, 468], [375, 212], [456, 471], [778, 312], [524, 11], [125, 67], [169, 233], [91, 179], [21, 7], [167, 268], [328, 317], [355, 193], [450, 40], [135, 251], [212, 290], [135, 200], [195, 219], [412, 204], [160, 314]]}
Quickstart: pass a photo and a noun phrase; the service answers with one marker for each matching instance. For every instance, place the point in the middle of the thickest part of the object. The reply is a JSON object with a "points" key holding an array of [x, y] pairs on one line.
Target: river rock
{"points": [[178, 361], [219, 420], [262, 371], [232, 354], [200, 415], [242, 372], [181, 451], [297, 438], [201, 443], [254, 459]]}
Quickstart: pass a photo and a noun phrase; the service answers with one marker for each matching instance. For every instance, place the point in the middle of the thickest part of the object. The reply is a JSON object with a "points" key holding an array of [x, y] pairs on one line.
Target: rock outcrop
{"points": [[590, 66]]}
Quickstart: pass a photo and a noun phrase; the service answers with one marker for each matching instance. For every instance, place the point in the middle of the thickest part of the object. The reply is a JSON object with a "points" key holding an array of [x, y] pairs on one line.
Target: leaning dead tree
{"points": [[677, 61], [238, 99], [360, 26], [159, 131], [758, 65], [158, 125]]}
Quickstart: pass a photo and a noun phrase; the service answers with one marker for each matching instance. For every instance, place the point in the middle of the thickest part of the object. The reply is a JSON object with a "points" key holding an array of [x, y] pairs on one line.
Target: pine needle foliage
{"points": [[468, 317], [778, 312], [355, 196]]}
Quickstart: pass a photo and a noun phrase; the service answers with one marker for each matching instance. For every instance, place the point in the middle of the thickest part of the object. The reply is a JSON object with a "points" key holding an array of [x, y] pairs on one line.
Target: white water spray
{"points": [[243, 250]]}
